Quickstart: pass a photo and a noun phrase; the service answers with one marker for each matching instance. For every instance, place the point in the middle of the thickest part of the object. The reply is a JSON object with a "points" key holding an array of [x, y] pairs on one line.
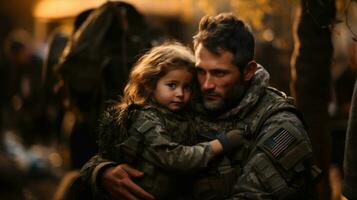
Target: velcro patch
{"points": [[145, 126], [279, 142]]}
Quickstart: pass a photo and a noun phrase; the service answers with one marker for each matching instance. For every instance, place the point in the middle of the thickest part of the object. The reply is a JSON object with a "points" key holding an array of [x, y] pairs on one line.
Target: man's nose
{"points": [[208, 83]]}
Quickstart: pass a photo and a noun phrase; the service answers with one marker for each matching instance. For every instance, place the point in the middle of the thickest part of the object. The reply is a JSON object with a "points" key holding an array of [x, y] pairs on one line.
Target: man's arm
{"points": [[106, 177], [117, 182], [279, 164]]}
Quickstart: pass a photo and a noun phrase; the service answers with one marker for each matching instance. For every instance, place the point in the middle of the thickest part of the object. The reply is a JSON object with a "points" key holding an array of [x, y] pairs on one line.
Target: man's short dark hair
{"points": [[225, 31]]}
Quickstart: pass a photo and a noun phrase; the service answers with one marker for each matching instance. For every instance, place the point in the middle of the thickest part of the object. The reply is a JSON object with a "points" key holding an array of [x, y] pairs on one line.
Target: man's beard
{"points": [[229, 100], [214, 105]]}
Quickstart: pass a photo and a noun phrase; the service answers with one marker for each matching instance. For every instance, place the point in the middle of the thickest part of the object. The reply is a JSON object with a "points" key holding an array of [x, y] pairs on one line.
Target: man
{"points": [[273, 163]]}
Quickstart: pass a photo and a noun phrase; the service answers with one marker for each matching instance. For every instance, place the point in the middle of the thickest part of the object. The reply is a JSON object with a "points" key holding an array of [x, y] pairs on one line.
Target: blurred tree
{"points": [[311, 77], [253, 11]]}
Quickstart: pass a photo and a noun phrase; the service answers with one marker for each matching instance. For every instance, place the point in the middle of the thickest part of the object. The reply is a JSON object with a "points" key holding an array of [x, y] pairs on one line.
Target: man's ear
{"points": [[249, 70]]}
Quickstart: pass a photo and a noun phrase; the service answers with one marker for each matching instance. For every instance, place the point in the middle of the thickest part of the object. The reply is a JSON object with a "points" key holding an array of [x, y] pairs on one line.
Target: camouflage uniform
{"points": [[154, 143], [274, 162]]}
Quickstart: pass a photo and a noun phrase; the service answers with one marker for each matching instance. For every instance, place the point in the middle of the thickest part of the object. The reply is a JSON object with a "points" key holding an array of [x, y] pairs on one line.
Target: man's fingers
{"points": [[122, 185], [124, 194], [137, 190], [132, 171]]}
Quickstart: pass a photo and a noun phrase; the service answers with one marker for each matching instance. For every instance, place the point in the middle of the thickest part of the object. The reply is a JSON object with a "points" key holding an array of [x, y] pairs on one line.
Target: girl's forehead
{"points": [[181, 73]]}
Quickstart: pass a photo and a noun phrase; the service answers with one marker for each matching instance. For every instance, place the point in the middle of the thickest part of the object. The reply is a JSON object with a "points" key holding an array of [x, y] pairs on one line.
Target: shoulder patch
{"points": [[147, 125], [279, 141], [286, 144]]}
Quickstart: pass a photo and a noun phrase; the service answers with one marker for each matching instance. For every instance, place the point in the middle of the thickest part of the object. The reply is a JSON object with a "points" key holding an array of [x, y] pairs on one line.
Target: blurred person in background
{"points": [[350, 158], [339, 110], [22, 83], [11, 178], [54, 108], [94, 69], [95, 65]]}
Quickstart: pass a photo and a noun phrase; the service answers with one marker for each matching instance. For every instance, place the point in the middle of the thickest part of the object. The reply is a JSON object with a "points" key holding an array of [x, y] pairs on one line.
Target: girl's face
{"points": [[173, 90]]}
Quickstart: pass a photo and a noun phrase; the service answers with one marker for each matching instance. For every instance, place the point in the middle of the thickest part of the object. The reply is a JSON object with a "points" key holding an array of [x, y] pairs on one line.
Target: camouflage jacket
{"points": [[275, 162], [156, 143]]}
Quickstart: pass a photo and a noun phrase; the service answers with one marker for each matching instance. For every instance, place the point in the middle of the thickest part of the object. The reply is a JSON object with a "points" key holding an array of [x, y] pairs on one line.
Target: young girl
{"points": [[151, 125]]}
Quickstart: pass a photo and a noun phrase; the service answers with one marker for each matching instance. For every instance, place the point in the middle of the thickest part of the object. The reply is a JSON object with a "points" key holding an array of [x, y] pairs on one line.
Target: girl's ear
{"points": [[249, 71]]}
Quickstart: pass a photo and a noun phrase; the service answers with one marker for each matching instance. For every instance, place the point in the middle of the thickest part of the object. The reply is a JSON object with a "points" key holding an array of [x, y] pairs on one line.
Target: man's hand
{"points": [[117, 181], [231, 140]]}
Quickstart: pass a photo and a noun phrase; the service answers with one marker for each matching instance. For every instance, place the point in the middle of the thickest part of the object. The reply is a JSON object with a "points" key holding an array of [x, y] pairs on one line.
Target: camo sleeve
{"points": [[278, 165], [86, 185], [161, 150]]}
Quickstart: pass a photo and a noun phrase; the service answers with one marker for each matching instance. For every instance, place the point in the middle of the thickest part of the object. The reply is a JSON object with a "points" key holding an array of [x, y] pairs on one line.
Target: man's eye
{"points": [[220, 73]]}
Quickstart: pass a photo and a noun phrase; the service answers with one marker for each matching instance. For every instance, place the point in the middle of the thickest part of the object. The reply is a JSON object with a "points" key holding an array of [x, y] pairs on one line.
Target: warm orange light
{"points": [[54, 9]]}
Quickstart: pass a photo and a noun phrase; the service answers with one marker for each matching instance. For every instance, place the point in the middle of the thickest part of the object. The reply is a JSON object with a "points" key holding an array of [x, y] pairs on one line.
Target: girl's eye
{"points": [[172, 85]]}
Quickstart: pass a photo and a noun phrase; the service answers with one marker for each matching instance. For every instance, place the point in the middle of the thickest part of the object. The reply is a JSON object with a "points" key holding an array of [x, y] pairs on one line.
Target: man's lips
{"points": [[211, 96]]}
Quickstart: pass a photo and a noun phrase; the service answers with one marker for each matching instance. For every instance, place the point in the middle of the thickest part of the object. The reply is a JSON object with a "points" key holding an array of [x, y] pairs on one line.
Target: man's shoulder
{"points": [[291, 116], [283, 138], [274, 108], [283, 130], [282, 157], [280, 138], [275, 96]]}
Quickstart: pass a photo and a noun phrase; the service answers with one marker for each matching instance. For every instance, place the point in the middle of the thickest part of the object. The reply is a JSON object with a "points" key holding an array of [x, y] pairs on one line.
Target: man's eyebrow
{"points": [[220, 70]]}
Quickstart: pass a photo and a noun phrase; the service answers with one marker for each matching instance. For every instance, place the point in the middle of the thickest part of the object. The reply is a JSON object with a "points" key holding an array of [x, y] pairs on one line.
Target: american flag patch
{"points": [[279, 141]]}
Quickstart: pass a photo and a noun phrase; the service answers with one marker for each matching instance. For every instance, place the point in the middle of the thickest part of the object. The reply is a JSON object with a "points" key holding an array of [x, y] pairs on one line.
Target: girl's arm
{"points": [[160, 150]]}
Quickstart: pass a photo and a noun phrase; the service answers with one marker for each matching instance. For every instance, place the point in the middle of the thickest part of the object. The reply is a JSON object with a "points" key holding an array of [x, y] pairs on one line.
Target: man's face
{"points": [[220, 81]]}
